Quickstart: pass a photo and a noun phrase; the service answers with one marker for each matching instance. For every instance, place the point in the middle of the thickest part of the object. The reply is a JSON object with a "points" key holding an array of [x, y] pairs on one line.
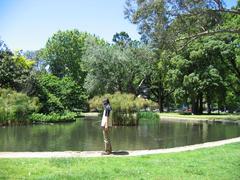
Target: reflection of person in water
{"points": [[106, 124]]}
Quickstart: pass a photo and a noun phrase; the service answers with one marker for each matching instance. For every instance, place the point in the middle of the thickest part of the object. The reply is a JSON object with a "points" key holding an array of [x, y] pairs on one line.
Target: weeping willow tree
{"points": [[124, 107], [16, 107]]}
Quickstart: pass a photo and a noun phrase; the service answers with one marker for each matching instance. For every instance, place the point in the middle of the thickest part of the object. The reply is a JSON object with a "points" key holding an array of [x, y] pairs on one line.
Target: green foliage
{"points": [[149, 116], [122, 39], [169, 24], [16, 106], [112, 68], [53, 117], [202, 73], [178, 28], [122, 101], [190, 58], [58, 95], [158, 81], [14, 71], [63, 53], [124, 106], [36, 56], [4, 50], [232, 101]]}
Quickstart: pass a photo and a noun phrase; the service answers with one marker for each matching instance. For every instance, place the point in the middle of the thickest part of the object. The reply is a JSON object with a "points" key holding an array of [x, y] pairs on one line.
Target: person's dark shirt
{"points": [[107, 110]]}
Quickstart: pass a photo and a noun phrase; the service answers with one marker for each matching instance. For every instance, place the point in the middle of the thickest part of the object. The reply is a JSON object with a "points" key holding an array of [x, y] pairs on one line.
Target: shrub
{"points": [[147, 116], [124, 107], [16, 106], [53, 117], [59, 94]]}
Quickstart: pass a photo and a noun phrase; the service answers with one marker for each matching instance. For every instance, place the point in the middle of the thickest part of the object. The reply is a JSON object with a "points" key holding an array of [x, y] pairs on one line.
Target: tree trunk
{"points": [[209, 110], [197, 104], [167, 104], [194, 105], [200, 99], [160, 103]]}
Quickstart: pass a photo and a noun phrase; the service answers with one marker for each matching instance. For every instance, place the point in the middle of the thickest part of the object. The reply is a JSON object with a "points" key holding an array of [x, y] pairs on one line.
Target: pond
{"points": [[85, 135]]}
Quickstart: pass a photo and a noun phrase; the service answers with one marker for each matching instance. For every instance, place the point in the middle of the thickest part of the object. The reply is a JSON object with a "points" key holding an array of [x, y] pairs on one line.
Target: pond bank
{"points": [[68, 154], [199, 118], [193, 118]]}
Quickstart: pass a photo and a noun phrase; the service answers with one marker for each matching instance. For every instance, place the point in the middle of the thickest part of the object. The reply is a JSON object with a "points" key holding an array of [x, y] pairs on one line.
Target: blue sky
{"points": [[27, 24]]}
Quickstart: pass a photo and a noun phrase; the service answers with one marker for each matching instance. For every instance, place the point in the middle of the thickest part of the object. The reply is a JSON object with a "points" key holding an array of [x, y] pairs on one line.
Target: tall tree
{"points": [[14, 68], [202, 73], [63, 53], [166, 22], [173, 24], [121, 39], [113, 68]]}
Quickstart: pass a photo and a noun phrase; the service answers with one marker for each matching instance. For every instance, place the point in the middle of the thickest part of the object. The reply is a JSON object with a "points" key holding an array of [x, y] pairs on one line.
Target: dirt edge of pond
{"points": [[120, 153]]}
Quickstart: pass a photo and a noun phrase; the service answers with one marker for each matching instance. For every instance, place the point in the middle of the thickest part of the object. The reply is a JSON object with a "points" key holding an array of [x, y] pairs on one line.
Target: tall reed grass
{"points": [[124, 107], [16, 107], [148, 115]]}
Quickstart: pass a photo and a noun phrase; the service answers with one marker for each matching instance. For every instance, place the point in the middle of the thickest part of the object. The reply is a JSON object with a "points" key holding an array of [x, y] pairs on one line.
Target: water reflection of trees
{"points": [[87, 135]]}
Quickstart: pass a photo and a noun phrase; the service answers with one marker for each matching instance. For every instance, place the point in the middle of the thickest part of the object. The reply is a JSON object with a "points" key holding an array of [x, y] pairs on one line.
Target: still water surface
{"points": [[86, 134]]}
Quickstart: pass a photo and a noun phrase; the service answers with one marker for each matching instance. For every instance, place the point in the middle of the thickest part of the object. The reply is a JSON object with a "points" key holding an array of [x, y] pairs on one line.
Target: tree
{"points": [[58, 94], [112, 68], [63, 53], [173, 26], [203, 75], [164, 23], [122, 39], [231, 53], [36, 56], [14, 70]]}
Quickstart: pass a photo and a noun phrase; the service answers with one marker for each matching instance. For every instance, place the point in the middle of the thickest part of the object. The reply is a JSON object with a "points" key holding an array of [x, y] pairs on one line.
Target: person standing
{"points": [[106, 124]]}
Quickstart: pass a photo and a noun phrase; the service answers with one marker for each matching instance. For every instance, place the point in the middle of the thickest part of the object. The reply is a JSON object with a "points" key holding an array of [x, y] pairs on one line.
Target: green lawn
{"points": [[213, 163], [233, 117]]}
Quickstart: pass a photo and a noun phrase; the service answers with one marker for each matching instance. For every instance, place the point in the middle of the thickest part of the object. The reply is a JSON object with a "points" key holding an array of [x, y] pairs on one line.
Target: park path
{"points": [[68, 154]]}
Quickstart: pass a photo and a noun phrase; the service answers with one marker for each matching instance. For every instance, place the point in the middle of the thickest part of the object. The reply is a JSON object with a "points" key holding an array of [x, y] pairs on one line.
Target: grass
{"points": [[213, 163], [233, 117], [148, 116]]}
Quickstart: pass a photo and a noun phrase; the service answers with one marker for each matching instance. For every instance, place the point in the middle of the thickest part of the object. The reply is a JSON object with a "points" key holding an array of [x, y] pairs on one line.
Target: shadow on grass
{"points": [[120, 153]]}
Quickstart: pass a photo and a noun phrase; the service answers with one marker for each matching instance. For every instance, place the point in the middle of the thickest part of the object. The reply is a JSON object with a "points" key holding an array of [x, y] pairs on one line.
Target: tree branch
{"points": [[231, 11], [206, 33]]}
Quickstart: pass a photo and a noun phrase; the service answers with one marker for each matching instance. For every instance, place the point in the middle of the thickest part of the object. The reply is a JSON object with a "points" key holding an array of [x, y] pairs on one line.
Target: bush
{"points": [[147, 116], [124, 107], [53, 117], [16, 106], [59, 94]]}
